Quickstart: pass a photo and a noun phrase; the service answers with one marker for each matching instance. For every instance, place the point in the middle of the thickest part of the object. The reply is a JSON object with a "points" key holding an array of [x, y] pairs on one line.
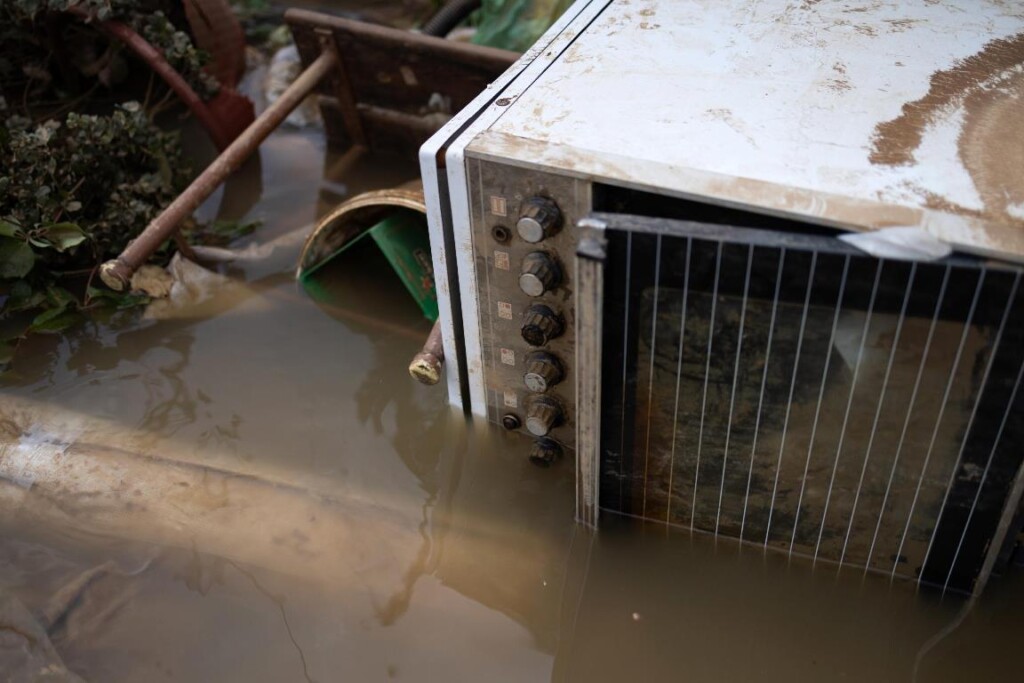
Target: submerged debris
{"points": [[188, 285], [153, 281], [85, 168], [285, 67]]}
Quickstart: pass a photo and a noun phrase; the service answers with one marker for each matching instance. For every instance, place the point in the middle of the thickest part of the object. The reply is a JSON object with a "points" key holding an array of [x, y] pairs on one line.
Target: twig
{"points": [[67, 106], [159, 107], [86, 299], [149, 93]]}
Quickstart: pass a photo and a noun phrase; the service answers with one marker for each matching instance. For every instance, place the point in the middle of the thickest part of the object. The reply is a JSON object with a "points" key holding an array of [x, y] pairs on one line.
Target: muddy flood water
{"points": [[253, 489]]}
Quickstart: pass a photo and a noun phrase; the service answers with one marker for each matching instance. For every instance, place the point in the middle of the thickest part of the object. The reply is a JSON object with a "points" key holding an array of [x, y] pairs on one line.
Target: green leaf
{"points": [[8, 229], [21, 290], [117, 300], [65, 235], [60, 316], [60, 297], [22, 297], [100, 293], [47, 315], [164, 167], [16, 258], [57, 323]]}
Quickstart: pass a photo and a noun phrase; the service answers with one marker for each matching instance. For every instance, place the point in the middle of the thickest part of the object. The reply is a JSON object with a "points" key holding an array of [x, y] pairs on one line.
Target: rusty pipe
{"points": [[117, 273], [426, 365]]}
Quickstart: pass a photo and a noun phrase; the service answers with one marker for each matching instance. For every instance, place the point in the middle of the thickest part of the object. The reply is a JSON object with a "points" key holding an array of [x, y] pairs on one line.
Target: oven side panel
{"points": [[570, 26], [444, 182], [435, 190]]}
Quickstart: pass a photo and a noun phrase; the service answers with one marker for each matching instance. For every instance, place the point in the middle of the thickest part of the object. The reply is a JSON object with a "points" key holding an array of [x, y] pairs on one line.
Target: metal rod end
{"points": [[116, 274], [426, 368]]}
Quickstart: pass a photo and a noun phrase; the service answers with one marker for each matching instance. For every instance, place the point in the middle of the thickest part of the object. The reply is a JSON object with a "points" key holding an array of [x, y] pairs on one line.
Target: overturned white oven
{"points": [[635, 232]]}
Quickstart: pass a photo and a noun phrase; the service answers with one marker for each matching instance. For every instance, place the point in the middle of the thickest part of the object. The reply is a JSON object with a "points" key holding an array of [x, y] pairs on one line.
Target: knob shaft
{"points": [[539, 218], [543, 415], [540, 273], [543, 371], [545, 452], [541, 325]]}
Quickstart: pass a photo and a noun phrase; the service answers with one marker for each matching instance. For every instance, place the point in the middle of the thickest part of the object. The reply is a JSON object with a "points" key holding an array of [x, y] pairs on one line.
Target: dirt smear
{"points": [[989, 89], [895, 141], [992, 144]]}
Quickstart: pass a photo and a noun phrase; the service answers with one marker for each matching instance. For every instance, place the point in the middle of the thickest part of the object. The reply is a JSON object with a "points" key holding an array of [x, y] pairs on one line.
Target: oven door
{"points": [[793, 392]]}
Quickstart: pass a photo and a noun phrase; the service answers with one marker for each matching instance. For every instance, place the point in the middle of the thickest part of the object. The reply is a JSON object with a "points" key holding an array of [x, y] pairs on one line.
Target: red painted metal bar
{"points": [[222, 117]]}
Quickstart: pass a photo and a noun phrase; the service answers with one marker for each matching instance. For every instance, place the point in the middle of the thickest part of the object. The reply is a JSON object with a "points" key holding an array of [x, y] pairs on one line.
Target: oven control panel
{"points": [[524, 241]]}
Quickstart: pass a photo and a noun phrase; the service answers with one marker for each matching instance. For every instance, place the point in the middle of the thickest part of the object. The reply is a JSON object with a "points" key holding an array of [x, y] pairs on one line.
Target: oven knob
{"points": [[543, 415], [545, 452], [539, 217], [540, 273], [541, 325], [543, 371]]}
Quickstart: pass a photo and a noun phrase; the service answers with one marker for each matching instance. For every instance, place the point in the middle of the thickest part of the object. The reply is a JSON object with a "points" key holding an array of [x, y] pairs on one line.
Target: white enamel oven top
{"points": [[856, 114]]}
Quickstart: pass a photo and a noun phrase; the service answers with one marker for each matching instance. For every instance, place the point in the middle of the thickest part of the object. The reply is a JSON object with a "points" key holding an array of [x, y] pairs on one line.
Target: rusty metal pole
{"points": [[426, 365], [117, 274]]}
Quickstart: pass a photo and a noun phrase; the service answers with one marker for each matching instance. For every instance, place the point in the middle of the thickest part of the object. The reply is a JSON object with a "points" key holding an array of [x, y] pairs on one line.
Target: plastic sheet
{"points": [[192, 287], [903, 244], [25, 648]]}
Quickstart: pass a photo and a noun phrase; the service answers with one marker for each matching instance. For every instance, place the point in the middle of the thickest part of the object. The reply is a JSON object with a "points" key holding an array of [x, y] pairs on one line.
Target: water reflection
{"points": [[257, 491]]}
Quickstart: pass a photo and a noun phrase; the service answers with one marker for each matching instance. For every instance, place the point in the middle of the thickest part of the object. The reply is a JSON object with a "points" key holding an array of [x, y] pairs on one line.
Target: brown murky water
{"points": [[254, 490]]}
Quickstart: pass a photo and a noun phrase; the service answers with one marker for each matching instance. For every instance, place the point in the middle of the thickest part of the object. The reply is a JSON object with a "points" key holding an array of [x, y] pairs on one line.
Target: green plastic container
{"points": [[403, 239]]}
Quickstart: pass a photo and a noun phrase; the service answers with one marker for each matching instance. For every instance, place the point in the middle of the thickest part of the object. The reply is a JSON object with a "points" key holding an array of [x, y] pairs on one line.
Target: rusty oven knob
{"points": [[541, 325], [543, 415], [539, 218], [540, 273], [545, 452], [543, 371]]}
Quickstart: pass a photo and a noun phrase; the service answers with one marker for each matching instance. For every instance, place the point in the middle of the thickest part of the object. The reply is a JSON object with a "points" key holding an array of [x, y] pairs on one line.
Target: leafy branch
{"points": [[72, 194]]}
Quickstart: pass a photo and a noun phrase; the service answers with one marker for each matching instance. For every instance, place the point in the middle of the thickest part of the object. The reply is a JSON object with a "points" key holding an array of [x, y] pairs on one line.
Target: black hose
{"points": [[449, 16]]}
